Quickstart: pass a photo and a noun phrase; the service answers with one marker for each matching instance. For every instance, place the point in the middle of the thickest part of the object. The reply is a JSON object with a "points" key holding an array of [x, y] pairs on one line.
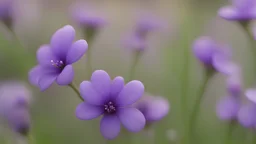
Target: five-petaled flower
{"points": [[112, 99], [56, 59], [241, 10]]}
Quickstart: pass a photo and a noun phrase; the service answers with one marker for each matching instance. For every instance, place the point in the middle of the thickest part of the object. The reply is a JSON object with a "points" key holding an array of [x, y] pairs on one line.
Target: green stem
{"points": [[89, 34], [228, 138], [72, 85], [184, 90], [30, 139], [246, 27], [135, 60], [195, 110]]}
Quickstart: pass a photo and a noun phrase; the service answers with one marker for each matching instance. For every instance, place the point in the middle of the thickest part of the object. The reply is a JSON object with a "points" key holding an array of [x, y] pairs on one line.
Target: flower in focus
{"points": [[153, 108], [113, 100], [241, 10], [15, 99], [213, 55], [246, 115], [56, 59], [6, 12]]}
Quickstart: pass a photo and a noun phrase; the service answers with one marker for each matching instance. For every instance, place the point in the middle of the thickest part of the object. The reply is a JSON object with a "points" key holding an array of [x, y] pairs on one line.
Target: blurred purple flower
{"points": [[6, 12], [228, 107], [87, 20], [113, 99], [251, 95], [135, 43], [153, 108], [15, 99], [19, 120], [55, 60], [241, 10], [234, 82], [246, 115], [213, 55], [145, 25]]}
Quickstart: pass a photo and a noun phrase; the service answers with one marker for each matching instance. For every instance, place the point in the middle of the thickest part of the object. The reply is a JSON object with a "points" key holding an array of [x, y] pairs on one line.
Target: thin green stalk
{"points": [[195, 110], [246, 27], [89, 34], [184, 91], [228, 138], [135, 61], [72, 85], [31, 139]]}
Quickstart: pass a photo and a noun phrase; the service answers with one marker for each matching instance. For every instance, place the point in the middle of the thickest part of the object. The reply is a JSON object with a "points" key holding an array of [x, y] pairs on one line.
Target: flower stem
{"points": [[246, 27], [135, 60], [228, 138], [30, 139], [89, 35], [72, 85], [195, 110]]}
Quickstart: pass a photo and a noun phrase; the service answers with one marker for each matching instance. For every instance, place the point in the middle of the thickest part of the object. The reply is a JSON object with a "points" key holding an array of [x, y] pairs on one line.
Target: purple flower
{"points": [[228, 108], [153, 108], [56, 59], [19, 120], [241, 10], [234, 82], [213, 55], [113, 100], [145, 25], [87, 19], [246, 115], [15, 99], [6, 12], [13, 94]]}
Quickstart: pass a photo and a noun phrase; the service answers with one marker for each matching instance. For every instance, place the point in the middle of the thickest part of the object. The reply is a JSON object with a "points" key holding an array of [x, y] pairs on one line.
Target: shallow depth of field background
{"points": [[160, 68]]}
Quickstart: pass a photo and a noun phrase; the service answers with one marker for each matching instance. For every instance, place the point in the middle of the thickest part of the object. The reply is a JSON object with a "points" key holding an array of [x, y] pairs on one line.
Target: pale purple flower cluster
{"points": [[15, 99], [240, 10], [56, 59]]}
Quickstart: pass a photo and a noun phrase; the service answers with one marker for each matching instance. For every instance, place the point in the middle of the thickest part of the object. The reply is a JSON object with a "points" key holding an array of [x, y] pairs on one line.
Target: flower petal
{"points": [[158, 108], [101, 82], [116, 86], [251, 95], [130, 93], [110, 126], [246, 115], [89, 94], [66, 76], [62, 40], [45, 55], [228, 107], [76, 51], [46, 81], [229, 13], [34, 75], [85, 111], [132, 119]]}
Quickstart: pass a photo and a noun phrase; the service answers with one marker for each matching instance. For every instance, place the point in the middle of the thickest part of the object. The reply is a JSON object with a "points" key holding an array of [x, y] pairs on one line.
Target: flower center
{"points": [[58, 64], [109, 108]]}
